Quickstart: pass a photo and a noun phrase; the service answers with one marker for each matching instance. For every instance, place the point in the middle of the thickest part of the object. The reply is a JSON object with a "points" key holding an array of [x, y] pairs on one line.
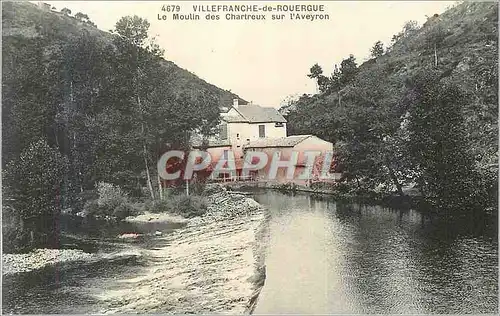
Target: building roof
{"points": [[289, 141], [211, 143], [252, 113], [235, 119], [197, 140]]}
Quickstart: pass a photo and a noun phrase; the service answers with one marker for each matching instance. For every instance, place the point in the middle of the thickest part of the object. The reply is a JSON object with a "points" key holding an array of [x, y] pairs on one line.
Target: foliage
{"points": [[84, 18], [439, 155], [34, 181], [15, 237], [424, 113], [34, 188], [316, 72], [111, 107], [377, 50], [183, 205], [134, 29], [112, 202]]}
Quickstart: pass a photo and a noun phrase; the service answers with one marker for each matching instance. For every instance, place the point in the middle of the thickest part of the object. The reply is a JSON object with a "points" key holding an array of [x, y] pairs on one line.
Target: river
{"points": [[323, 257], [326, 257]]}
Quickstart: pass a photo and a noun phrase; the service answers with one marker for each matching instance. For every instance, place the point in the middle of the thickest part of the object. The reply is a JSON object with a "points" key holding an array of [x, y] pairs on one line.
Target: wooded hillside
{"points": [[422, 112], [82, 107]]}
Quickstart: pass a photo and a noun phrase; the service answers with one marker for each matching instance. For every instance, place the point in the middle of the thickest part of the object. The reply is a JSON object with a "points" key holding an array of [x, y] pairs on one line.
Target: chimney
{"points": [[235, 103]]}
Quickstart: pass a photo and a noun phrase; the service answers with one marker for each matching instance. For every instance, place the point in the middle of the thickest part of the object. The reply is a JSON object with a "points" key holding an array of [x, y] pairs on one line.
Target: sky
{"points": [[265, 61]]}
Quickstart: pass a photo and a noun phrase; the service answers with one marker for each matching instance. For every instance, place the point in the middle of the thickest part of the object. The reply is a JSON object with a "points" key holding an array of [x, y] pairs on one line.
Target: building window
{"points": [[278, 124], [223, 131], [225, 154], [262, 131], [238, 135]]}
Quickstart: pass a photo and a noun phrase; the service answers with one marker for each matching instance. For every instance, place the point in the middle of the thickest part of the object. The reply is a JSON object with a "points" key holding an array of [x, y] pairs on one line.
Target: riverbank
{"points": [[213, 264], [411, 196], [41, 258]]}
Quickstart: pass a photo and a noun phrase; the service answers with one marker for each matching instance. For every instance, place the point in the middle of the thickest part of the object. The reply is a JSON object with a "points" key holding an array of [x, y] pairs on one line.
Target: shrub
{"points": [[111, 202], [189, 206], [159, 206], [15, 237], [186, 206], [213, 189]]}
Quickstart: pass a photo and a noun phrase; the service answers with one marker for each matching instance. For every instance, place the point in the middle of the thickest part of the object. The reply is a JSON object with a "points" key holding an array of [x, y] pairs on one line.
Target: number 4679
{"points": [[171, 8]]}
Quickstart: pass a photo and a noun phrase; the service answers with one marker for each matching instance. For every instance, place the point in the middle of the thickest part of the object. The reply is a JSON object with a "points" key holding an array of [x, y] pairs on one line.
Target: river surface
{"points": [[75, 290], [326, 257]]}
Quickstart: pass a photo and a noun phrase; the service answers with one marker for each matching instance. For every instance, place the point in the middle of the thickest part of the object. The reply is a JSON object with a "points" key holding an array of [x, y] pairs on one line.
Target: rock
{"points": [[130, 235]]}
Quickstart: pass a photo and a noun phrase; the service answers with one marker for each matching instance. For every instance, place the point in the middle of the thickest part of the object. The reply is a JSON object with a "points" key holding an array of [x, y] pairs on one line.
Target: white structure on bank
{"points": [[252, 127], [245, 123]]}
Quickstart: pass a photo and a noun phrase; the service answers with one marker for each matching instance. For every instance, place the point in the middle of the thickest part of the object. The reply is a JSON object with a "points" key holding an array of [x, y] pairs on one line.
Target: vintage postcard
{"points": [[249, 157]]}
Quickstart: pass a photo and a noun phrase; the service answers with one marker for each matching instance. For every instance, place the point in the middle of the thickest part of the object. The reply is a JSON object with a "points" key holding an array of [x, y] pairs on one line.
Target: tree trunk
{"points": [[148, 175], [160, 187], [145, 152], [146, 167], [144, 146], [435, 56]]}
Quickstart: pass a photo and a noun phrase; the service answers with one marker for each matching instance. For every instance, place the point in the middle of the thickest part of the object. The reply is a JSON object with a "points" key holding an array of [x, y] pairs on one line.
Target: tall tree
{"points": [[377, 50], [437, 147], [134, 31]]}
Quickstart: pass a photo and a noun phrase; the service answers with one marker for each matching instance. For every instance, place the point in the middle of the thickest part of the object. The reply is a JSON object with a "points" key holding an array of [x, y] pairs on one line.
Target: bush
{"points": [[15, 237], [161, 206], [213, 189], [111, 202], [183, 205], [189, 206]]}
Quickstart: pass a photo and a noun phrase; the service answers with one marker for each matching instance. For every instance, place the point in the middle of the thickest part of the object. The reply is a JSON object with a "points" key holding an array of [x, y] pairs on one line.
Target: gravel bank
{"points": [[40, 258], [148, 217]]}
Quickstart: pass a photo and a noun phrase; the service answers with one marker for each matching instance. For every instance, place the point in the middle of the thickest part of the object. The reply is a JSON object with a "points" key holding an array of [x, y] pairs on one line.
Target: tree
{"points": [[439, 153], [377, 50], [435, 36], [66, 11], [34, 185], [133, 29], [348, 70], [322, 82], [315, 71], [409, 28], [82, 17], [158, 124]]}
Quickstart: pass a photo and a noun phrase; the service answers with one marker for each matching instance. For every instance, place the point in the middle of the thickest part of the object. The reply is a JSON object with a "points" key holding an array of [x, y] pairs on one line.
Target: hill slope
{"points": [[27, 20], [405, 116], [108, 107]]}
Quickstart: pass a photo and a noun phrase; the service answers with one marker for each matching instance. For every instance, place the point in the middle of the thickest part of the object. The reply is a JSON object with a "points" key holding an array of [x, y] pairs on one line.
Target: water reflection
{"points": [[327, 257]]}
